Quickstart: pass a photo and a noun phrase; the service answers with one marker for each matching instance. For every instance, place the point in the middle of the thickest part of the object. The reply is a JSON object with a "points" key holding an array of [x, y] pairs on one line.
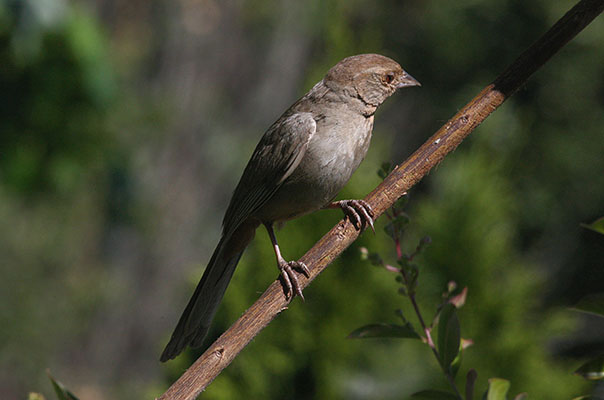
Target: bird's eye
{"points": [[388, 78]]}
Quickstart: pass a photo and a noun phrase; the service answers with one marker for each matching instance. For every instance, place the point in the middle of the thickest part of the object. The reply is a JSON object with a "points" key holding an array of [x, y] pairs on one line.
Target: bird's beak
{"points": [[407, 80]]}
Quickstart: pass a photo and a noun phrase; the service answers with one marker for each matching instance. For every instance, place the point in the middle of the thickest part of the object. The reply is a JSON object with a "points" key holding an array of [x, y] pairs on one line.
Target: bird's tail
{"points": [[195, 321]]}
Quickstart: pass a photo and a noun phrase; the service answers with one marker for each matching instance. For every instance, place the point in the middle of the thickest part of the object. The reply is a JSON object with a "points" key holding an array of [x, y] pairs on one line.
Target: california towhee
{"points": [[299, 166]]}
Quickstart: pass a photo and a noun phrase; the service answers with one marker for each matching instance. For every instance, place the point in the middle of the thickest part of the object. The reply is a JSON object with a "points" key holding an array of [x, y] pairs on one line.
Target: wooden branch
{"points": [[445, 140]]}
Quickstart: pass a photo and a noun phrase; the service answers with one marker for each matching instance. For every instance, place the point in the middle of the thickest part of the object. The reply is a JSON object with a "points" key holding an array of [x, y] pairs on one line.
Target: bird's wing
{"points": [[277, 155]]}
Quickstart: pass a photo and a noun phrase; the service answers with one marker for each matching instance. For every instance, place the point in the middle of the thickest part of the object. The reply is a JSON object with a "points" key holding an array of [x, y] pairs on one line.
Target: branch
{"points": [[446, 139]]}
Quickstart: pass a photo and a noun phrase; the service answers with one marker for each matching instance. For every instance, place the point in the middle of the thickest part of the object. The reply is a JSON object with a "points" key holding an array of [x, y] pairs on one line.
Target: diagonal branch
{"points": [[446, 139]]}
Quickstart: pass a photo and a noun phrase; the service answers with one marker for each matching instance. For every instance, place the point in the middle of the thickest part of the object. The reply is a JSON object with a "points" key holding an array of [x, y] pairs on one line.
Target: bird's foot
{"points": [[290, 277], [359, 212]]}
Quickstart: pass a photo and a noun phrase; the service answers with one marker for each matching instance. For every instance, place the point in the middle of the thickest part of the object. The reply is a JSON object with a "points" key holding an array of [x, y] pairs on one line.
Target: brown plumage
{"points": [[299, 166]]}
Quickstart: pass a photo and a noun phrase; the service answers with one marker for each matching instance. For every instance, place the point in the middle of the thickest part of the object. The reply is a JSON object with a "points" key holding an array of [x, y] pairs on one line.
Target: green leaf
{"points": [[411, 273], [596, 226], [449, 336], [375, 259], [60, 390], [591, 304], [401, 221], [385, 170], [593, 369], [498, 388], [401, 202], [35, 396], [588, 398], [434, 395], [395, 228], [456, 363], [384, 331], [423, 243], [464, 343]]}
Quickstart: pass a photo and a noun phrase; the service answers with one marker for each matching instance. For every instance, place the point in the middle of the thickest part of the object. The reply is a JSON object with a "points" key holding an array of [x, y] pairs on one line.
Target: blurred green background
{"points": [[125, 125]]}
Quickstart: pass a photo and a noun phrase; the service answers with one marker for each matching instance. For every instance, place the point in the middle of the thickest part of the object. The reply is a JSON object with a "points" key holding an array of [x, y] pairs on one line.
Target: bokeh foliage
{"points": [[56, 90], [125, 125]]}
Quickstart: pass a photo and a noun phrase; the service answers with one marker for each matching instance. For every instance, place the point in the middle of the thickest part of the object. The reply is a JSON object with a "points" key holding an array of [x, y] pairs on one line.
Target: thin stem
{"points": [[425, 328]]}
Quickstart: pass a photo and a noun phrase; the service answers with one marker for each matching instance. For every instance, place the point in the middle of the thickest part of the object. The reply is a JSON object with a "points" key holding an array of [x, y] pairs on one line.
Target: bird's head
{"points": [[369, 77]]}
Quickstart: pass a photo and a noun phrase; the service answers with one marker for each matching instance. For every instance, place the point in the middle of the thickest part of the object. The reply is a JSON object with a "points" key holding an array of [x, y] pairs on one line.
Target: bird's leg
{"points": [[359, 212], [290, 279]]}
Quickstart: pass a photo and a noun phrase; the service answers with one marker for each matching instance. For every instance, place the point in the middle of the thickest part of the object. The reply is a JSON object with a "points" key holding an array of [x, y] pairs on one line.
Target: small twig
{"points": [[273, 301]]}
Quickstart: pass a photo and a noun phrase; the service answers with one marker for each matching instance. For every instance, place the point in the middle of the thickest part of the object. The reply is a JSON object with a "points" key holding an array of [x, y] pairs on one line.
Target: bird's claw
{"points": [[290, 277], [359, 212]]}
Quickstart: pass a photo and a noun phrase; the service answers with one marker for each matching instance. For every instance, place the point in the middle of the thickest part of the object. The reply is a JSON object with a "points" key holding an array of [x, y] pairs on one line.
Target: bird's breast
{"points": [[333, 154]]}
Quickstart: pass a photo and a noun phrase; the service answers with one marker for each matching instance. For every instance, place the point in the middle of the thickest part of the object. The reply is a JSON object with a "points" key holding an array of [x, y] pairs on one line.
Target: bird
{"points": [[299, 166]]}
